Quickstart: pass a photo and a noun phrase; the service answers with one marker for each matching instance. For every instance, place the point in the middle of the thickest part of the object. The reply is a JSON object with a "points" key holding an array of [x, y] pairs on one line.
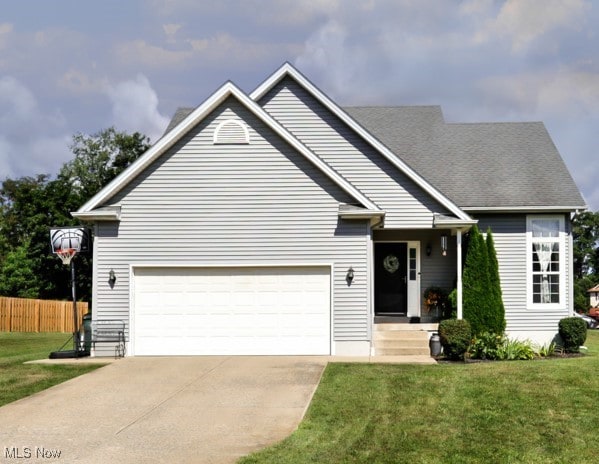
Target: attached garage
{"points": [[231, 311]]}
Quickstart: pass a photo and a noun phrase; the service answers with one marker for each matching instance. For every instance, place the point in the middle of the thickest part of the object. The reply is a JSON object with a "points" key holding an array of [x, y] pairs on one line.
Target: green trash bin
{"points": [[87, 333]]}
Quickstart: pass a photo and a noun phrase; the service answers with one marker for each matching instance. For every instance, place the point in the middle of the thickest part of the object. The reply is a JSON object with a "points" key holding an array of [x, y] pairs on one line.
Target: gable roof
{"points": [[480, 166], [189, 121], [287, 70]]}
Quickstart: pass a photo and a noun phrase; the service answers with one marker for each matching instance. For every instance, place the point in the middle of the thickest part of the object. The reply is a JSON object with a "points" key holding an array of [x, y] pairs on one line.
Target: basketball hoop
{"points": [[66, 255]]}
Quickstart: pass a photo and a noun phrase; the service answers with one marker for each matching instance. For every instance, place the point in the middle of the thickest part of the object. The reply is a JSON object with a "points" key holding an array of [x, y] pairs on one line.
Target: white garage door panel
{"points": [[271, 311]]}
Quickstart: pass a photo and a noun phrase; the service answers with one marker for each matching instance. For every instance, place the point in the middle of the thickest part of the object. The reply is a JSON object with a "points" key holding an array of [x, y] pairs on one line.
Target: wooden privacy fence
{"points": [[26, 315]]}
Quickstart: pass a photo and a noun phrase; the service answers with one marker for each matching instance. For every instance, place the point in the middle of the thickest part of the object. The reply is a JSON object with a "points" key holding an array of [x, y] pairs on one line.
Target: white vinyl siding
{"points": [[406, 204], [512, 247], [202, 204]]}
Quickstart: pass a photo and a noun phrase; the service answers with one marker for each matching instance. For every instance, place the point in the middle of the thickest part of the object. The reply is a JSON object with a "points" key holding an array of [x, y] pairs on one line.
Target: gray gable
{"points": [[476, 165]]}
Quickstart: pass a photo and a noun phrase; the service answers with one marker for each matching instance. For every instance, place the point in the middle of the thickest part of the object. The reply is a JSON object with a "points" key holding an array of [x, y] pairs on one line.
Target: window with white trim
{"points": [[545, 261]]}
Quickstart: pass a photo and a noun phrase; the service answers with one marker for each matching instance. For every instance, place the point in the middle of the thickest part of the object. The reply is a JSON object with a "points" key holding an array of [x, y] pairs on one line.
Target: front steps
{"points": [[392, 339]]}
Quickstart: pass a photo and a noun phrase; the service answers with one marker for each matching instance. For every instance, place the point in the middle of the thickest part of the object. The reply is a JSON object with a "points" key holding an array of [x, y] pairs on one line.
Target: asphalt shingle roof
{"points": [[476, 164]]}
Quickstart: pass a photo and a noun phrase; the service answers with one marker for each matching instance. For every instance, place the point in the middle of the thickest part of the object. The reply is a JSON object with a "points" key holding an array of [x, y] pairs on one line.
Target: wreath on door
{"points": [[391, 263]]}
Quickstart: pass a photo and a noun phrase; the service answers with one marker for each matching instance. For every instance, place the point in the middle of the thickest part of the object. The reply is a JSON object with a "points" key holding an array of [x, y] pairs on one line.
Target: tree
{"points": [[30, 206], [496, 315], [99, 158], [482, 300], [475, 282], [17, 277], [585, 235]]}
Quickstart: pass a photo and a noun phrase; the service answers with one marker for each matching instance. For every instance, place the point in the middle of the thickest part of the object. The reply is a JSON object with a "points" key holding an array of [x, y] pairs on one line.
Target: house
{"points": [[280, 223]]}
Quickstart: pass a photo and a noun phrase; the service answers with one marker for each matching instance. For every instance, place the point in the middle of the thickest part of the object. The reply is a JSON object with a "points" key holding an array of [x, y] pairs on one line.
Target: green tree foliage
{"points": [[482, 300], [475, 282], [30, 206], [99, 158], [17, 275], [496, 315], [585, 234]]}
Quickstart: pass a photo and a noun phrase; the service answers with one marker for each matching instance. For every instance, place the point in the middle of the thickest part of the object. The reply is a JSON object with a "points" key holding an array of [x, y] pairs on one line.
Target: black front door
{"points": [[390, 279]]}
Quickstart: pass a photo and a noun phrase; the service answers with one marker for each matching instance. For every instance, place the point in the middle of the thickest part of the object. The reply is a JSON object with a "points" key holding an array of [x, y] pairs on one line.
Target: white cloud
{"points": [[32, 140], [171, 30], [142, 53], [326, 49], [526, 21], [135, 107], [5, 30], [78, 82], [545, 92]]}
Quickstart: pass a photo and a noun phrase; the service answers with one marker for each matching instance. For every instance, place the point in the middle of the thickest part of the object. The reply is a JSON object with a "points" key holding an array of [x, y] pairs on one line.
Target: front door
{"points": [[390, 279]]}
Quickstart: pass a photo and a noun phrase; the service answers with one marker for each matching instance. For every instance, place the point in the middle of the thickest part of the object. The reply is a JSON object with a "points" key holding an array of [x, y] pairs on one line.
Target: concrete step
{"points": [[400, 335], [402, 351], [405, 327], [401, 343], [390, 339]]}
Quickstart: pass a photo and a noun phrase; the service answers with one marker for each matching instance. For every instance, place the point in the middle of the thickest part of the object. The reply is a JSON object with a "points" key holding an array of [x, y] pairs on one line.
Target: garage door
{"points": [[242, 311]]}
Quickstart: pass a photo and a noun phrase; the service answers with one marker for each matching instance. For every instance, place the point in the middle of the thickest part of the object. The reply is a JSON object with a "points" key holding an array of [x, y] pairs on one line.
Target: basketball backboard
{"points": [[75, 238]]}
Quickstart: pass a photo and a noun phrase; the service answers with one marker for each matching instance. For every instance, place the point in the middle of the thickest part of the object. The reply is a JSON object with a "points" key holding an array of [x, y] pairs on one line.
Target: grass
{"points": [[542, 411], [18, 380]]}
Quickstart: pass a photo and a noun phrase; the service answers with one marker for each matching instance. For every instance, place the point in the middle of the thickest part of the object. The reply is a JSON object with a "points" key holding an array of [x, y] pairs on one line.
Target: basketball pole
{"points": [[74, 295]]}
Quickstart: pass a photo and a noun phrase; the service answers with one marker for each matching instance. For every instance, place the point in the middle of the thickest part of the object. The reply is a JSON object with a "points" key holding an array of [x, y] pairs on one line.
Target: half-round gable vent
{"points": [[231, 131]]}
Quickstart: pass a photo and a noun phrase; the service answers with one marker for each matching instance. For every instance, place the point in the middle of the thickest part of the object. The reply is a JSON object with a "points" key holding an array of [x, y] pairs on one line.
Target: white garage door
{"points": [[243, 311]]}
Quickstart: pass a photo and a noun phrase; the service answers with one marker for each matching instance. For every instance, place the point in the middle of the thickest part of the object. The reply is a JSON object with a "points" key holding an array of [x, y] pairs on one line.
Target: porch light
{"points": [[349, 277], [111, 278], [429, 249], [444, 244]]}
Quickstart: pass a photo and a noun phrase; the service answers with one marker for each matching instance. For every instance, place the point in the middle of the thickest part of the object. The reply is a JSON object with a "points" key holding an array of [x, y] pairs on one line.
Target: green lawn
{"points": [[543, 411], [18, 380]]}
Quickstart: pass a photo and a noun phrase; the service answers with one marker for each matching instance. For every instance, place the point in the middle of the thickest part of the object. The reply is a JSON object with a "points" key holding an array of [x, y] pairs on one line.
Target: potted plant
{"points": [[435, 301]]}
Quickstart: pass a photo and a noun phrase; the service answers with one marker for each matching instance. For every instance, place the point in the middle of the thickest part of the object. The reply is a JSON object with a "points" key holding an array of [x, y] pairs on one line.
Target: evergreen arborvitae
{"points": [[496, 316], [475, 283]]}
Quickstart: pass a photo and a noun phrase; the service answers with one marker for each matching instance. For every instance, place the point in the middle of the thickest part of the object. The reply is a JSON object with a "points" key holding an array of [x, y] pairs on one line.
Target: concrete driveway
{"points": [[171, 409]]}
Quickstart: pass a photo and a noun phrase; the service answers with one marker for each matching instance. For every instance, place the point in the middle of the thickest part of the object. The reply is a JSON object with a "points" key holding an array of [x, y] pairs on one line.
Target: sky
{"points": [[77, 66]]}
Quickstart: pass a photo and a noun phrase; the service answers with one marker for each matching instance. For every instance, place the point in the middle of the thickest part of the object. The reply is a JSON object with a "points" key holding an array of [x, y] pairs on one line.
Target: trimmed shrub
{"points": [[475, 282], [483, 303], [573, 331], [455, 337], [495, 320]]}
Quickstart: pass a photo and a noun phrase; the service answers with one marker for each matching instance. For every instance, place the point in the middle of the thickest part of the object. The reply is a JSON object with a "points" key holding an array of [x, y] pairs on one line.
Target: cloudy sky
{"points": [[69, 66]]}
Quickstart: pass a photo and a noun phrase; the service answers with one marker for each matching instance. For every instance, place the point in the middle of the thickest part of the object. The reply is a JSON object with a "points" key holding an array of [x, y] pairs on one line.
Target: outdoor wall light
{"points": [[429, 249], [349, 277], [111, 278], [444, 244]]}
